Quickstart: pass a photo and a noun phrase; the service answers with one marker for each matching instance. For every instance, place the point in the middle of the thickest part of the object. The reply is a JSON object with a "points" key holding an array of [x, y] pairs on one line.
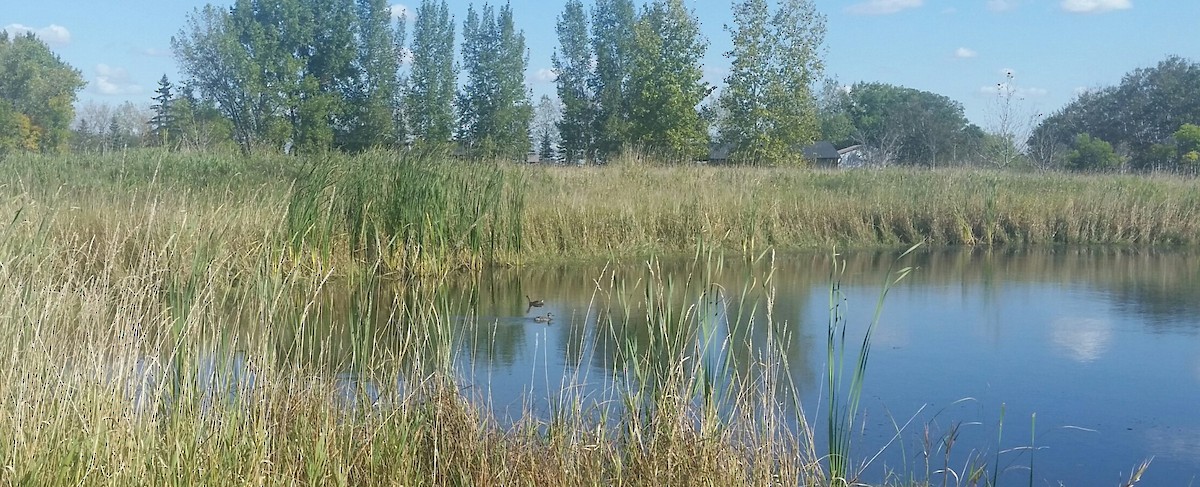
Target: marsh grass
{"points": [[209, 320], [162, 333]]}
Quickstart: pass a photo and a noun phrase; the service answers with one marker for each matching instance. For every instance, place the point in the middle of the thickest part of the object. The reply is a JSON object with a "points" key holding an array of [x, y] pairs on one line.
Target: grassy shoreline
{"points": [[131, 284], [424, 214]]}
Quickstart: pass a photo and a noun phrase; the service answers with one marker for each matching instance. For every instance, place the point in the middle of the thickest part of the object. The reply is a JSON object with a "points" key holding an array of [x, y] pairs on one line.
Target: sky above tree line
{"points": [[962, 49]]}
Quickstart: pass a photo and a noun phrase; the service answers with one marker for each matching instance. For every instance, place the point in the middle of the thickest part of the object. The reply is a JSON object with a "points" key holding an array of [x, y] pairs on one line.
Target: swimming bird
{"points": [[544, 319], [535, 303]]}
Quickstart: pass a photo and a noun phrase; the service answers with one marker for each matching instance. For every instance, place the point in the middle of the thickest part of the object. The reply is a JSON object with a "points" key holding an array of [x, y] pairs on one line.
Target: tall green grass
{"points": [[410, 213], [844, 399]]}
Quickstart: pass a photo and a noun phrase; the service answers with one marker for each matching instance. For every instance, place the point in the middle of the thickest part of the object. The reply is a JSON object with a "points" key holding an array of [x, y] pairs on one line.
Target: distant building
{"points": [[852, 157], [821, 154]]}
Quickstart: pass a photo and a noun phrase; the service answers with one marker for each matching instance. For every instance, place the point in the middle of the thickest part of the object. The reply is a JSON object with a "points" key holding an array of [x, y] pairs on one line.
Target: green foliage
{"points": [[1187, 138], [494, 108], [1092, 154], [429, 101], [199, 123], [1145, 109], [37, 95], [374, 98], [666, 86], [910, 126], [309, 74], [833, 114], [769, 110], [613, 45], [573, 68], [412, 214]]}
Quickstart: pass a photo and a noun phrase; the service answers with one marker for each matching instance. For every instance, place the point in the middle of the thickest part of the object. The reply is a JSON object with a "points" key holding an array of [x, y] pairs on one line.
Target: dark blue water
{"points": [[1076, 363]]}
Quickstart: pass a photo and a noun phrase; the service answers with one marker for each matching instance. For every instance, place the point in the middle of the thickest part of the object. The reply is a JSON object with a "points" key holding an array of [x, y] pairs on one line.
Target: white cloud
{"points": [[399, 9], [544, 75], [1095, 6], [111, 80], [1001, 5], [53, 35], [965, 53], [883, 7]]}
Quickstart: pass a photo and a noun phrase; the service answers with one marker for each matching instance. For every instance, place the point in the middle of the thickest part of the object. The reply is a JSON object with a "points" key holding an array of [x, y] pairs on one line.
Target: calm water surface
{"points": [[1090, 356]]}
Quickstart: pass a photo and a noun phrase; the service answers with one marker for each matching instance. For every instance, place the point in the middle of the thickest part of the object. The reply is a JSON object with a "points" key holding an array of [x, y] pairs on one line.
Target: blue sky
{"points": [[957, 48]]}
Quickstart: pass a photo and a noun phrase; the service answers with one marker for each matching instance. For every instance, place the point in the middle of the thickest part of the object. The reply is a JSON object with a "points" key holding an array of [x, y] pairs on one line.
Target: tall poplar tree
{"points": [[494, 106], [429, 101], [374, 95], [666, 85], [613, 44], [768, 102], [573, 69]]}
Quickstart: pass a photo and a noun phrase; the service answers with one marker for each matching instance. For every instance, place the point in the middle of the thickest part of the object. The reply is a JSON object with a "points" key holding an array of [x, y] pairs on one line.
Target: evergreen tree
{"points": [[666, 84], [495, 112], [429, 102], [770, 110], [573, 68], [613, 44], [115, 138], [162, 124]]}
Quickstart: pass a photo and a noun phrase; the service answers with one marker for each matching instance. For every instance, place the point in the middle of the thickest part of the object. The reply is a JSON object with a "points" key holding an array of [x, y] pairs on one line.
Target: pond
{"points": [[1079, 363]]}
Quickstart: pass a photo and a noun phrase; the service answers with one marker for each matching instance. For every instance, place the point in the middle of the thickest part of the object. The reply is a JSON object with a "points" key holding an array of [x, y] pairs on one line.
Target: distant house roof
{"points": [[820, 150], [849, 149]]}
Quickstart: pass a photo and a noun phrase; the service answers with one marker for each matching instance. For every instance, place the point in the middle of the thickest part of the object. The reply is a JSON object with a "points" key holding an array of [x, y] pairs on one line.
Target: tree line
{"points": [[283, 76], [317, 75]]}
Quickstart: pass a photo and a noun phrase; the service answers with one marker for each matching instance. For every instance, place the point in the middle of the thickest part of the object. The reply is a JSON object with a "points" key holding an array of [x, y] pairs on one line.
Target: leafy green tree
{"points": [[309, 74], [1187, 146], [573, 68], [162, 124], [213, 50], [833, 115], [429, 101], [613, 45], [199, 123], [37, 95], [768, 103], [374, 95], [665, 86], [1145, 109], [910, 126], [494, 105], [1092, 154]]}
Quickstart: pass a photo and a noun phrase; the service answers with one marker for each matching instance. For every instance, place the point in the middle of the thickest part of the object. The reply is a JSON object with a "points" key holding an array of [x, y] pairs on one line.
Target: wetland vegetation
{"points": [[196, 319]]}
